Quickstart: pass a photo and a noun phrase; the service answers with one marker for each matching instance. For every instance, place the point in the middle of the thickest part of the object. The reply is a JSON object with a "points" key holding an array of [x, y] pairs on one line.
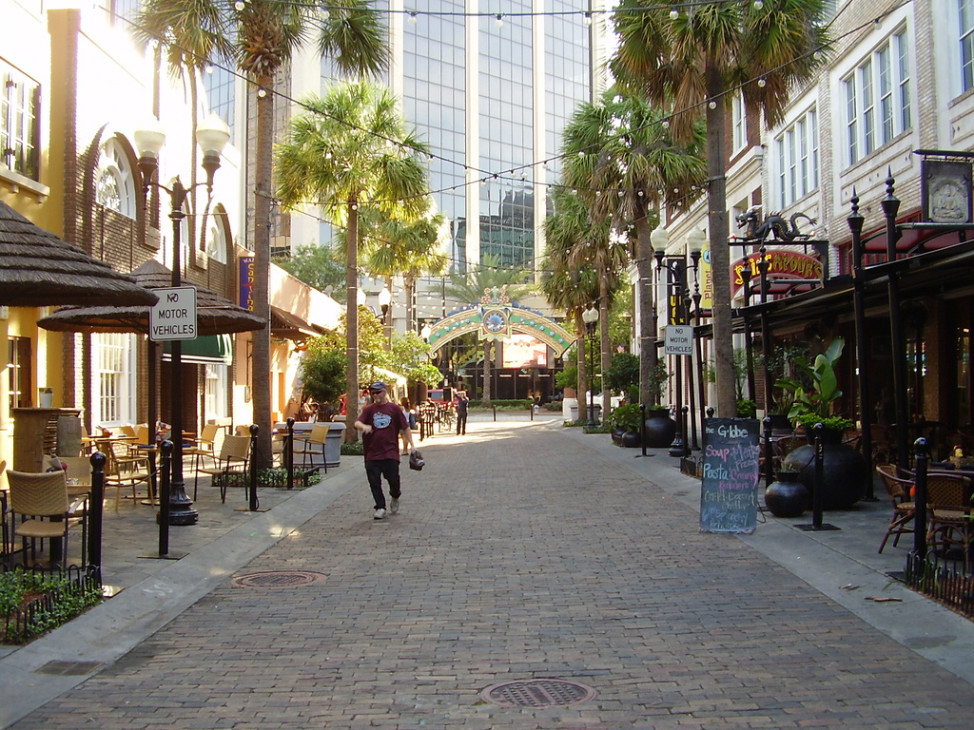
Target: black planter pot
{"points": [[786, 496], [617, 434], [631, 440], [844, 472], [660, 429]]}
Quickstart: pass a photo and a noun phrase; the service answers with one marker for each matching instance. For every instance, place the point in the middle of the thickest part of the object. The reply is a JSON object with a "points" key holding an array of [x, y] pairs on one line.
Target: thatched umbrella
{"points": [[215, 314], [38, 269]]}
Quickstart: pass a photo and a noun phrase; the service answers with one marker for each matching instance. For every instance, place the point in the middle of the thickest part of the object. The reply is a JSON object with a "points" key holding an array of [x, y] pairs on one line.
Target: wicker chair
{"points": [[904, 510], [313, 445], [949, 504], [128, 466], [233, 458], [44, 507]]}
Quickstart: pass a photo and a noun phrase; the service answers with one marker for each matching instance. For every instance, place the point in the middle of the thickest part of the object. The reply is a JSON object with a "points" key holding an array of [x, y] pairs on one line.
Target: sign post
{"points": [[173, 317]]}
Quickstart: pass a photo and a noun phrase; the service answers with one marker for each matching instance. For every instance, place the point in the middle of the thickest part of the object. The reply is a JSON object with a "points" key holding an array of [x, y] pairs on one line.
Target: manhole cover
{"points": [[277, 579], [538, 693]]}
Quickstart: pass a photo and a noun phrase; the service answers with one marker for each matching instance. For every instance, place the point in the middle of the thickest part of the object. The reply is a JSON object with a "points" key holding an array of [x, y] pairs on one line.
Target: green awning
{"points": [[212, 349]]}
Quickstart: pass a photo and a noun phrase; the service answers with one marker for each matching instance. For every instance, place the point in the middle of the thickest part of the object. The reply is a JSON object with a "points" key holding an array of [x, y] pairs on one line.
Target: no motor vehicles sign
{"points": [[174, 316], [679, 340]]}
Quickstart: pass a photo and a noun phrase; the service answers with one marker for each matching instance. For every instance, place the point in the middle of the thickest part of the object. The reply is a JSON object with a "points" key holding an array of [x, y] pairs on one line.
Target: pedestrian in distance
{"points": [[381, 422], [462, 401]]}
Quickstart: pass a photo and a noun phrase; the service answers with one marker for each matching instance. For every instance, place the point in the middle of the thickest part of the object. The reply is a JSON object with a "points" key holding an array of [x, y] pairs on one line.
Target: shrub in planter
{"points": [[34, 602]]}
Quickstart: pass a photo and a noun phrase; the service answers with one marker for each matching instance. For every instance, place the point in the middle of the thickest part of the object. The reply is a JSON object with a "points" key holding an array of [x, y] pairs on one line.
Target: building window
{"points": [[966, 12], [877, 96], [19, 106], [796, 157], [216, 390], [115, 364], [738, 123], [115, 182], [19, 370]]}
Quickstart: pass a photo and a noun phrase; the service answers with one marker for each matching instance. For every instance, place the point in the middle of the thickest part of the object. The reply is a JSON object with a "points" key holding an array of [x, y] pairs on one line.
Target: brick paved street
{"points": [[520, 553]]}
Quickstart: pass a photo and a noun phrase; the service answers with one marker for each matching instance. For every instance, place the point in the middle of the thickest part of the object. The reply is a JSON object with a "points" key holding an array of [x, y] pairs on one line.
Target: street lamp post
{"points": [[385, 299], [676, 270], [591, 318], [660, 239], [212, 135], [696, 240]]}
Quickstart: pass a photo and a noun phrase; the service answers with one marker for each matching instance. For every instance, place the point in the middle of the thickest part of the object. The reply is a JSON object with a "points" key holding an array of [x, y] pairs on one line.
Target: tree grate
{"points": [[68, 669], [277, 579], [538, 693]]}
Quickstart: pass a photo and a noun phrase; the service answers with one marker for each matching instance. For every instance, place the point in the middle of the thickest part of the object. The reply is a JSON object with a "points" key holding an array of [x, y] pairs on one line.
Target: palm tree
{"points": [[695, 62], [264, 34], [470, 288], [624, 163], [351, 148], [565, 286]]}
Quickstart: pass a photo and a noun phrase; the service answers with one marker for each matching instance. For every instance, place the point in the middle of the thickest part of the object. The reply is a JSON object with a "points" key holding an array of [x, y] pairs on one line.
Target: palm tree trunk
{"points": [[719, 252], [351, 323], [604, 354], [583, 385], [260, 377]]}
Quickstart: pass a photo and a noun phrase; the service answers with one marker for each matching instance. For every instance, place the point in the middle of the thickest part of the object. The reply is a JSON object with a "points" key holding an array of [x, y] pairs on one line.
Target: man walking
{"points": [[462, 401], [381, 423]]}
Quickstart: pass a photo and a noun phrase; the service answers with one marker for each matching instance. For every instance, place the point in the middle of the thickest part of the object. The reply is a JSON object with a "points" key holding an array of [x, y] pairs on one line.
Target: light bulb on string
{"points": [[412, 17], [499, 20], [674, 13]]}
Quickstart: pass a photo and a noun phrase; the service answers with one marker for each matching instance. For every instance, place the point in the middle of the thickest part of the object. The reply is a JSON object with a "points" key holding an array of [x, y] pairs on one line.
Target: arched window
{"points": [[115, 180], [217, 236]]}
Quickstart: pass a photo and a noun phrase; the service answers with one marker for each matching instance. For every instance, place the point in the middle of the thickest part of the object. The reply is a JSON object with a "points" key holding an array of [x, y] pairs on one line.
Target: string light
{"points": [[412, 17], [499, 20], [674, 13]]}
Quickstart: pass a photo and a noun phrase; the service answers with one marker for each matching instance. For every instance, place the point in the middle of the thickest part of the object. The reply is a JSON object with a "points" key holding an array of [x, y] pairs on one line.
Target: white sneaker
{"points": [[394, 506], [379, 514]]}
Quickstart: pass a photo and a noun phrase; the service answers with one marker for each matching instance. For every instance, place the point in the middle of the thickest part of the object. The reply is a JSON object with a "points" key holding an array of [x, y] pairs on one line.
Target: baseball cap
{"points": [[378, 385]]}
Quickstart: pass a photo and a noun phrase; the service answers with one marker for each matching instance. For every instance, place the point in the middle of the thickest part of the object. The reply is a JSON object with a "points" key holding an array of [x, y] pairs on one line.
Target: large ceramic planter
{"points": [[660, 428], [786, 496], [631, 440], [844, 473], [333, 441]]}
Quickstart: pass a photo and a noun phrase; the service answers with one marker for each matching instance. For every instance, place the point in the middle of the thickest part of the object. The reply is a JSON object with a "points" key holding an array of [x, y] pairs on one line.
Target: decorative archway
{"points": [[495, 317]]}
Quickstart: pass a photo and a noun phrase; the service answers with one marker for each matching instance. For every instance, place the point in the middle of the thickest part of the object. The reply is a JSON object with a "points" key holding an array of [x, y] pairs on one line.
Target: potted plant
{"points": [[660, 428], [625, 419], [845, 469], [786, 496]]}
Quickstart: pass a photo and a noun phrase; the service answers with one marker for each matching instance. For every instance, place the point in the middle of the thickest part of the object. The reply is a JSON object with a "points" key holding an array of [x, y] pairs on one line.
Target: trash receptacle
{"points": [[594, 413]]}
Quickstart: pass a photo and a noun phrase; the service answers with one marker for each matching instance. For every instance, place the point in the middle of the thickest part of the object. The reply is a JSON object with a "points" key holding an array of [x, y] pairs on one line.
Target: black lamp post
{"points": [[212, 135], [591, 318], [696, 240], [855, 221], [676, 270], [891, 205]]}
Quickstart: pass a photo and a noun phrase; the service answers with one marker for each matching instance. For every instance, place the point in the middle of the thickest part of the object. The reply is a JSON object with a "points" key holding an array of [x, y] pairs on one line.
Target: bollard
{"points": [[254, 503], [642, 428], [768, 460], [684, 423], [819, 477], [96, 509], [710, 412], [531, 412], [289, 453], [495, 412], [920, 500], [166, 447]]}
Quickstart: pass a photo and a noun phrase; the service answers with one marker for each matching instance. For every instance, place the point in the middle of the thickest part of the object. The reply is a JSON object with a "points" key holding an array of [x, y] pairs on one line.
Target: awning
{"points": [[212, 349]]}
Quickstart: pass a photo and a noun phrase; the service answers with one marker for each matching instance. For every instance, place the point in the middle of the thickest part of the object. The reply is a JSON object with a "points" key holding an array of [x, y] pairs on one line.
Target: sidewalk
{"points": [[524, 550]]}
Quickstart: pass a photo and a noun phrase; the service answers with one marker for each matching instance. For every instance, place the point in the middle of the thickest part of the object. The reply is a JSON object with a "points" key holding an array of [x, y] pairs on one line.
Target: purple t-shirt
{"points": [[387, 420]]}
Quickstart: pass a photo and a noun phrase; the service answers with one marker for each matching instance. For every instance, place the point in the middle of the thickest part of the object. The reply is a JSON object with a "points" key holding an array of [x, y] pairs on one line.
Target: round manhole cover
{"points": [[277, 579], [538, 693]]}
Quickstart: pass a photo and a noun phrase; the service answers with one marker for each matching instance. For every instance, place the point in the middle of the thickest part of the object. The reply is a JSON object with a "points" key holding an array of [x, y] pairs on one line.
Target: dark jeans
{"points": [[375, 470], [461, 423]]}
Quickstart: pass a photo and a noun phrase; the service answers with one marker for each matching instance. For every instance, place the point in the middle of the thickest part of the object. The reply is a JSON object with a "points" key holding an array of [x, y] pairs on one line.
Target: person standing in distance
{"points": [[462, 401], [381, 422]]}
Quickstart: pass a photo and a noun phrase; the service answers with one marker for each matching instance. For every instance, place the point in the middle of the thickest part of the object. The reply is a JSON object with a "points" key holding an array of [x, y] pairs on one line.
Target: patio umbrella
{"points": [[216, 315], [38, 269]]}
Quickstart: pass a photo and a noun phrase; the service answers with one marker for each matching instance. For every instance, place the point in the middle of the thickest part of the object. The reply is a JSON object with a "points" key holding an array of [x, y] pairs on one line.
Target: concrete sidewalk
{"points": [[524, 550]]}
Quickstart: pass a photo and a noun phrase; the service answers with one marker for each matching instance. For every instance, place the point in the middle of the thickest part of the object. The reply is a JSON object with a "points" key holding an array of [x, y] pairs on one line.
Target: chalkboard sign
{"points": [[729, 495]]}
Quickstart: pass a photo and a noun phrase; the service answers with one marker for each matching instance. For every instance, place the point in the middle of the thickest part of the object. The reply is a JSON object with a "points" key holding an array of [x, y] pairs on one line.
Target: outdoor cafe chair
{"points": [[44, 508], [204, 445], [313, 445], [233, 457], [128, 467], [898, 488], [949, 506]]}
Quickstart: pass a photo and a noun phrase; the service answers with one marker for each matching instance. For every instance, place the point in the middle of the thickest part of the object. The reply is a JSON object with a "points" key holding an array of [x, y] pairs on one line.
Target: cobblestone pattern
{"points": [[517, 555]]}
